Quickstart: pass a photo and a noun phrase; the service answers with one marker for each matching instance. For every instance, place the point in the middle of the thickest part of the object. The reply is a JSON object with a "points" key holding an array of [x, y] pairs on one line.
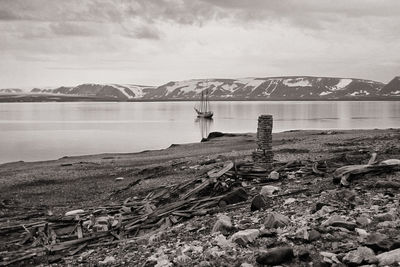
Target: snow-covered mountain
{"points": [[271, 88], [298, 87], [392, 88], [10, 91], [114, 91]]}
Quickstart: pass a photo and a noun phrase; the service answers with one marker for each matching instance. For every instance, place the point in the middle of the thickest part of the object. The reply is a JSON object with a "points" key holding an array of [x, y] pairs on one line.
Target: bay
{"points": [[43, 131]]}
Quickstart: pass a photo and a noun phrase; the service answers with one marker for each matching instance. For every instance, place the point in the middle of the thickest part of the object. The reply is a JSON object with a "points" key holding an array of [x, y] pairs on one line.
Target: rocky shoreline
{"points": [[302, 217]]}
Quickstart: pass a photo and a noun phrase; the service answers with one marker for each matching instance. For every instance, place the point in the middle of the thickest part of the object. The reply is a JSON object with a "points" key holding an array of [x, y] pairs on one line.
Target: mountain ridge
{"points": [[250, 88]]}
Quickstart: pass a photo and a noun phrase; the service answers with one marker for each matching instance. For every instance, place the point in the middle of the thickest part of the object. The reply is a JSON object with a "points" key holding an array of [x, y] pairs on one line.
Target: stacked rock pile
{"points": [[263, 155]]}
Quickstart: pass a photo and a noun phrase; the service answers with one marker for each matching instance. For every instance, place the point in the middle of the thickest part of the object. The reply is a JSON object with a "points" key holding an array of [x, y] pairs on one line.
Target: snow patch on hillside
{"points": [[361, 92], [342, 84], [298, 82]]}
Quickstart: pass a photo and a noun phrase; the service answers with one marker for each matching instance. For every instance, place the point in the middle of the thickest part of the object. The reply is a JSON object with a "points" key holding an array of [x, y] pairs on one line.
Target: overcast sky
{"points": [[151, 42]]}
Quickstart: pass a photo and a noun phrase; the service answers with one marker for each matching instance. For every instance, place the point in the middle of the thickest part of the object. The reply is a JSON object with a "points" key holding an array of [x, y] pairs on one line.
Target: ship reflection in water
{"points": [[204, 126]]}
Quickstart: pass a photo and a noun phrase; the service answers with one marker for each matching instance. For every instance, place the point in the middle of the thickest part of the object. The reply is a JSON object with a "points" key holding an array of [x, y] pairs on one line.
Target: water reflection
{"points": [[204, 126]]}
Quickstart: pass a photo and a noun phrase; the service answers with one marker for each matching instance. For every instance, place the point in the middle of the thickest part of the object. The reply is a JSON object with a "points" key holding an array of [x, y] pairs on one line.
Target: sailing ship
{"points": [[203, 111]]}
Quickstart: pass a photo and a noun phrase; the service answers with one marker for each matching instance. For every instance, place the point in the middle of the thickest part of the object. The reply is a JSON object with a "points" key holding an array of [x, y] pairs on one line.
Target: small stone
{"points": [[222, 242], [390, 257], [268, 190], [361, 255], [258, 203], [363, 221], [384, 217], [313, 235], [204, 264], [289, 201], [222, 225], [246, 236], [275, 256], [245, 264], [274, 175], [119, 179], [339, 221], [276, 220], [108, 260], [303, 254]]}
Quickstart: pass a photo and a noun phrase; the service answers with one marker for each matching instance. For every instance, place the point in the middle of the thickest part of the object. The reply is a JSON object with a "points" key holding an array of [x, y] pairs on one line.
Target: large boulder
{"points": [[390, 257]]}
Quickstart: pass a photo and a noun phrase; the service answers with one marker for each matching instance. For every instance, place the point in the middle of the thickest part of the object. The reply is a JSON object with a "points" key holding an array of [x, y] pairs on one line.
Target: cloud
{"points": [[78, 29]]}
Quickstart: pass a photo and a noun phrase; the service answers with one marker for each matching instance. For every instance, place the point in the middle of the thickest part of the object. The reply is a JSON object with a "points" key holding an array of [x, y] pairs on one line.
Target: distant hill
{"points": [[392, 88], [270, 88], [10, 91]]}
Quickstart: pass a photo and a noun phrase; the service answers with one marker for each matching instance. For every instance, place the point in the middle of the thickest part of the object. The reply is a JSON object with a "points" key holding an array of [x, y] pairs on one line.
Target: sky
{"points": [[152, 42]]}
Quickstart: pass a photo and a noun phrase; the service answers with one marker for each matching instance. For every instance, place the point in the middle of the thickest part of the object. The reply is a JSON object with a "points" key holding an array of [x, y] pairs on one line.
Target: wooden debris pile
{"points": [[94, 226]]}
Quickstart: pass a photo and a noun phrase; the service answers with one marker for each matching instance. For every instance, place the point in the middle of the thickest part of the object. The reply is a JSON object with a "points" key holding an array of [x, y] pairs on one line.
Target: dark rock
{"points": [[233, 197], [313, 235], [303, 254], [276, 256], [258, 203], [268, 233], [387, 184], [317, 206]]}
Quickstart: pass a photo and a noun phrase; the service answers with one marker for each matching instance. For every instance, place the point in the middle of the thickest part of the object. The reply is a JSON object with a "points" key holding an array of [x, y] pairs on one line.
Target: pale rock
{"points": [[222, 225], [274, 175], [360, 255], [245, 264], [390, 257], [74, 212], [119, 179], [222, 242], [108, 260], [268, 190], [246, 236], [289, 201], [361, 232]]}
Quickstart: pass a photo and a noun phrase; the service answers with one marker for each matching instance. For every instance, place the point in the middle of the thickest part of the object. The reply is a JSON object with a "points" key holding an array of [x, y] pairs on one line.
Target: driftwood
{"points": [[343, 174]]}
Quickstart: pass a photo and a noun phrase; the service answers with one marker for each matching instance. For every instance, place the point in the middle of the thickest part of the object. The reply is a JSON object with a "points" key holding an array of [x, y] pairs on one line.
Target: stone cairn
{"points": [[263, 155]]}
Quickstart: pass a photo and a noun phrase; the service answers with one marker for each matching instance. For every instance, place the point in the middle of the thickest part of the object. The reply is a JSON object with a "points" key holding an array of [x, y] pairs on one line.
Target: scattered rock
{"points": [[361, 255], [222, 242], [233, 197], [119, 179], [313, 235], [268, 190], [276, 220], [274, 175], [303, 254], [363, 221], [276, 256], [339, 221], [222, 225], [108, 260], [246, 236], [390, 257], [258, 203], [378, 242]]}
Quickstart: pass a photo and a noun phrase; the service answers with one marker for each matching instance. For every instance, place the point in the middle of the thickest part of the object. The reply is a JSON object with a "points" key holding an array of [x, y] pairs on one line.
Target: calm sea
{"points": [[41, 131]]}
